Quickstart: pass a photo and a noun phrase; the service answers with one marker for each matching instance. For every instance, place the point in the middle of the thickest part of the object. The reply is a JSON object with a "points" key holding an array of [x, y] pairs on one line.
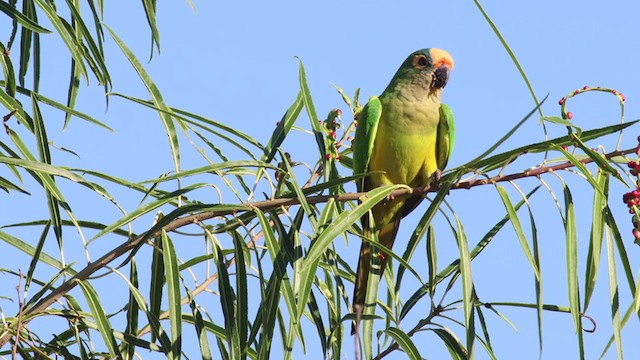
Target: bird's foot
{"points": [[436, 179]]}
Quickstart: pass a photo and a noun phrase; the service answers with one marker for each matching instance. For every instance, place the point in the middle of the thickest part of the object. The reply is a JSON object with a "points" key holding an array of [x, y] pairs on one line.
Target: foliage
{"points": [[272, 257]]}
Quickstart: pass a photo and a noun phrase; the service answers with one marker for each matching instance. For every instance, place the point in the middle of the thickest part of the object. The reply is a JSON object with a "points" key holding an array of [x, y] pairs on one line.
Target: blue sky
{"points": [[235, 62]]}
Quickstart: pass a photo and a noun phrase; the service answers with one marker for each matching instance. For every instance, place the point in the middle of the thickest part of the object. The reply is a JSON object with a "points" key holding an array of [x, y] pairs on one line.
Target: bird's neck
{"points": [[412, 92]]}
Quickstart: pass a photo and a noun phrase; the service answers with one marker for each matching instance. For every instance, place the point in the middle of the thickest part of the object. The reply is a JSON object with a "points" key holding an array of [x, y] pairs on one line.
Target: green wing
{"points": [[446, 136], [365, 137]]}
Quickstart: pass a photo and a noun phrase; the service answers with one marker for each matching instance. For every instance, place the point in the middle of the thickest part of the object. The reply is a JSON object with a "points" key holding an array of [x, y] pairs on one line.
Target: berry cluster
{"points": [[632, 198]]}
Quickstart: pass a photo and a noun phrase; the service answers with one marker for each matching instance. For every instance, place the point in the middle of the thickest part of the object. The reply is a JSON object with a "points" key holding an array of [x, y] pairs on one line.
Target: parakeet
{"points": [[406, 136]]}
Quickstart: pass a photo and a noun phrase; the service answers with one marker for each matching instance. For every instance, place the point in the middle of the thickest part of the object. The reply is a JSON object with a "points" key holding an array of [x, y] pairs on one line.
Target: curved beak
{"points": [[440, 77]]}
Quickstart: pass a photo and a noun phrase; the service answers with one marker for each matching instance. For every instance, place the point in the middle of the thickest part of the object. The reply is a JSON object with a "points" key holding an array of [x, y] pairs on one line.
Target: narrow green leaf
{"points": [[311, 112], [456, 350], [147, 208], [517, 227], [227, 302], [560, 121], [198, 322], [172, 277], [597, 158], [26, 37], [35, 260], [597, 233], [22, 19], [156, 282], [42, 168], [185, 116], [165, 116], [72, 90], [485, 330], [614, 295], [45, 157], [45, 100], [580, 166], [129, 349], [210, 169], [511, 54], [310, 212], [316, 317], [154, 322], [572, 266], [7, 186], [269, 307], [506, 136], [68, 38], [150, 11], [242, 295], [282, 129], [432, 258], [538, 281], [543, 146], [623, 256], [468, 300], [101, 319], [9, 73], [405, 342], [31, 251]]}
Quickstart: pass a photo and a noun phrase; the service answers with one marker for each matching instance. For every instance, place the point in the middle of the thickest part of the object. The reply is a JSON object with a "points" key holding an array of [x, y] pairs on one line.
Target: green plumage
{"points": [[405, 135]]}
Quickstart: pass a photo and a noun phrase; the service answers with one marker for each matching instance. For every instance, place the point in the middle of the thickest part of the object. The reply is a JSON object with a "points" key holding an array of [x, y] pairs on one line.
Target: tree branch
{"points": [[265, 205]]}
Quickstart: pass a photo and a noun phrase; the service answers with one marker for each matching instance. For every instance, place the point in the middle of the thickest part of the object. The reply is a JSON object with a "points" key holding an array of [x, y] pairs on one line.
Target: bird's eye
{"points": [[420, 61]]}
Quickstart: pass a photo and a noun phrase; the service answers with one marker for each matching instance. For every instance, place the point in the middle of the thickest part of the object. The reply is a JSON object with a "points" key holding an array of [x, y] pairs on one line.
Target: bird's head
{"points": [[427, 68]]}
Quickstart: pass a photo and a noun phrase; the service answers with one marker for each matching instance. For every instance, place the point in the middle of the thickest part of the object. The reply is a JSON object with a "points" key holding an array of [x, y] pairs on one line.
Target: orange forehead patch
{"points": [[441, 57]]}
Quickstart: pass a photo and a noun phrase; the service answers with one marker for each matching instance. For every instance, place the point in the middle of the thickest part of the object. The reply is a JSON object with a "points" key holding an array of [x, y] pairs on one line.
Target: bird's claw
{"points": [[436, 179], [389, 198]]}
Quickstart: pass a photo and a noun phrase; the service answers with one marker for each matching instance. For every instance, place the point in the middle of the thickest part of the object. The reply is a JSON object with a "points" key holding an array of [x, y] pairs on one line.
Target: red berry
{"points": [[338, 157], [333, 134], [633, 172], [382, 256], [339, 112], [355, 123], [569, 115], [561, 101], [638, 138], [350, 138], [328, 156], [614, 92], [626, 197], [636, 233], [585, 87], [525, 151], [622, 97], [278, 123], [565, 147]]}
